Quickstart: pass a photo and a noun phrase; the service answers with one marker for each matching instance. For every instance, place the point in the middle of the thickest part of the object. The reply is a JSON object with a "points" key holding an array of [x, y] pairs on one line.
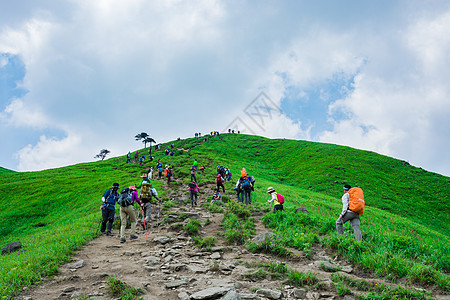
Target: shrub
{"points": [[120, 289], [192, 227]]}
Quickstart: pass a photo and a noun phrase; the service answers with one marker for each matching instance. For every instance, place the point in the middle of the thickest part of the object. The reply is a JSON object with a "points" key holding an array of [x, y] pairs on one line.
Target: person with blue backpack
{"points": [[277, 199], [109, 208]]}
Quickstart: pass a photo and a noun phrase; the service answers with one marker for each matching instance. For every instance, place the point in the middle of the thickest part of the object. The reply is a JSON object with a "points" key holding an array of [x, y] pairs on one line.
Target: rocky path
{"points": [[169, 266]]}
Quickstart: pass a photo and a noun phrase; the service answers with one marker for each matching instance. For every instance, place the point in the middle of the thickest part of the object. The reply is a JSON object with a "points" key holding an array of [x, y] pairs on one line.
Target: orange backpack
{"points": [[357, 203]]}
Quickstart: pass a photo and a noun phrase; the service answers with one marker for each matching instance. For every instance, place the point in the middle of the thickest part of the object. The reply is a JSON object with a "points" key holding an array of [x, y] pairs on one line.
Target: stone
{"points": [[217, 249], [231, 295], [312, 295], [69, 289], [215, 255], [175, 283], [271, 294], [249, 297], [210, 293], [76, 265], [162, 239], [11, 247], [263, 236], [183, 296], [153, 260], [177, 267], [302, 209], [75, 295], [299, 293], [196, 269], [347, 269], [327, 266]]}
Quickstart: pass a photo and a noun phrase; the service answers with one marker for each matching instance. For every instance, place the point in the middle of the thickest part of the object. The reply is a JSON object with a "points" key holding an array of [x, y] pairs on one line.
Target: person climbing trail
{"points": [[146, 198], [127, 210], [193, 170], [193, 192], [108, 208], [219, 182]]}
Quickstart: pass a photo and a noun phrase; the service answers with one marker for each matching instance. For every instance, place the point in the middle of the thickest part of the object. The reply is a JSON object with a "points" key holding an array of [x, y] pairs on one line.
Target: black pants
{"points": [[278, 207], [248, 196], [193, 178], [108, 217], [220, 184]]}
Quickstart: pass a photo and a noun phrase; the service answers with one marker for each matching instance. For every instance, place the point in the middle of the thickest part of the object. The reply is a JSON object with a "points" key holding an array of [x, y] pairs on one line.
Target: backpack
{"points": [[219, 178], [357, 203], [246, 185], [191, 185], [159, 169], [165, 172], [193, 170], [125, 198], [145, 190], [280, 198]]}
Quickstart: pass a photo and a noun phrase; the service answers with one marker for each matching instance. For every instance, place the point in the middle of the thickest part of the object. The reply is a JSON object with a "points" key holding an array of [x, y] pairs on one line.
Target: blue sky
{"points": [[79, 76]]}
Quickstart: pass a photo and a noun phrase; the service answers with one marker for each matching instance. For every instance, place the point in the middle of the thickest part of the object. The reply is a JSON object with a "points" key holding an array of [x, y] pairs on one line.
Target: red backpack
{"points": [[219, 178], [280, 198]]}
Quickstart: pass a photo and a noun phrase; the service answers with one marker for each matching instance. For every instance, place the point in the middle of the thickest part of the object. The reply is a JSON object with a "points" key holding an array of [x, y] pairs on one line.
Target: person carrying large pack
{"points": [[146, 197], [277, 199], [126, 200], [108, 208], [193, 170], [352, 207]]}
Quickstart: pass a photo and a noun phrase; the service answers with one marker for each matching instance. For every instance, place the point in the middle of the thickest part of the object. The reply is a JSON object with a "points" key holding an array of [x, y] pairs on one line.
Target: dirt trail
{"points": [[168, 266]]}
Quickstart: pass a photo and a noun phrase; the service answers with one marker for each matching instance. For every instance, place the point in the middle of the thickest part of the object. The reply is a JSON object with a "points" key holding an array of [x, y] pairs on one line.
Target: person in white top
{"points": [[348, 215]]}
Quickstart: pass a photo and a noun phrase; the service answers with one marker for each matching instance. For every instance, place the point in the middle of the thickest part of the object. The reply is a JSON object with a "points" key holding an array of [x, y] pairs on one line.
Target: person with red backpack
{"points": [[352, 207], [277, 199], [193, 192], [219, 181], [193, 169]]}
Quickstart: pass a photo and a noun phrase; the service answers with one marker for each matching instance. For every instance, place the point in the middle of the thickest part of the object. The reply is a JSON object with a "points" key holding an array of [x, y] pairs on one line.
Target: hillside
{"points": [[55, 212], [5, 171]]}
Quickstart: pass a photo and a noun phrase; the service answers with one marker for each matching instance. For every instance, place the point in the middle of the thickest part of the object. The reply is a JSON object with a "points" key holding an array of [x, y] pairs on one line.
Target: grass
{"points": [[204, 243], [399, 243], [121, 290], [192, 227]]}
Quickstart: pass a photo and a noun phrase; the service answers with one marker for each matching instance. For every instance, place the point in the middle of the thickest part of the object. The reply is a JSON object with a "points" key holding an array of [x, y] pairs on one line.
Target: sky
{"points": [[80, 76]]}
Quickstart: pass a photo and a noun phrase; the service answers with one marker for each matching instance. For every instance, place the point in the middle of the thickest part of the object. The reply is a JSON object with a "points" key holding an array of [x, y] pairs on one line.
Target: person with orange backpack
{"points": [[352, 207], [277, 199]]}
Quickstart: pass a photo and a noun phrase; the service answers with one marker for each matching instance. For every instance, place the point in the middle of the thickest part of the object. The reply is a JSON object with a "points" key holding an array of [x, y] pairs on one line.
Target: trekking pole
{"points": [[145, 225], [157, 218]]}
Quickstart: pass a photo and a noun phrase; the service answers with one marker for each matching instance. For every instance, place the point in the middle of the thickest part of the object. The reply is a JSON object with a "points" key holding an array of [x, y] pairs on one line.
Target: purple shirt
{"points": [[135, 197]]}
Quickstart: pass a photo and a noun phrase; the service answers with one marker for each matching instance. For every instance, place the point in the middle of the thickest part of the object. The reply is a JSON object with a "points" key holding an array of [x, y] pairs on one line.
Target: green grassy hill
{"points": [[54, 212], [5, 171]]}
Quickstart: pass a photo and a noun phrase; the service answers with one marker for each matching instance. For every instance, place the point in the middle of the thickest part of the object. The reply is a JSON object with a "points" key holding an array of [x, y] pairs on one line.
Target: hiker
{"points": [[221, 171], [277, 199], [159, 168], [216, 197], [202, 169], [193, 169], [195, 164], [193, 192], [219, 182], [136, 155], [247, 186], [128, 157], [150, 173], [129, 211], [227, 174], [146, 197], [168, 173], [348, 215], [109, 208]]}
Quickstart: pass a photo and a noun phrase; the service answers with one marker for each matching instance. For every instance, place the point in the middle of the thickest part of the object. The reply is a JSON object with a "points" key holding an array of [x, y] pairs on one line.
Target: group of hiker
{"points": [[126, 199], [352, 200]]}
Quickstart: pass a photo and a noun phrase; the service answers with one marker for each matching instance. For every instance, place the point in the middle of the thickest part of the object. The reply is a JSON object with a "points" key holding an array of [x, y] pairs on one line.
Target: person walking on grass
{"points": [[193, 192], [349, 215], [277, 199], [128, 211], [109, 208]]}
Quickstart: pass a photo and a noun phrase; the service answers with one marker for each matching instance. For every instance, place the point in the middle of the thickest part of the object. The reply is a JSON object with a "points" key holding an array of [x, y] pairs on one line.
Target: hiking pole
{"points": [[145, 225], [157, 218]]}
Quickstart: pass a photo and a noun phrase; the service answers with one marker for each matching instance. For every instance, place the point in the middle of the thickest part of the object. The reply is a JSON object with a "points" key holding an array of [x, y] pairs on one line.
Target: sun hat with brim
{"points": [[144, 175], [270, 190]]}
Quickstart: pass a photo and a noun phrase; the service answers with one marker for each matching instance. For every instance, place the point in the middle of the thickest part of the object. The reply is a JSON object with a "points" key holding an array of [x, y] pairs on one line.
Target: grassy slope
{"points": [[67, 199], [5, 171]]}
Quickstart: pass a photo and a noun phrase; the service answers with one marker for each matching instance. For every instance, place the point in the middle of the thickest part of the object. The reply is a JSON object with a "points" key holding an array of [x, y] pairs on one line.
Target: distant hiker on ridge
{"points": [[109, 208], [352, 207]]}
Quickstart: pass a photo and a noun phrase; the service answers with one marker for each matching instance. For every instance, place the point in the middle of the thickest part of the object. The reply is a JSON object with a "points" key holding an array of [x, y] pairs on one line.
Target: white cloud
{"points": [[51, 153], [18, 114]]}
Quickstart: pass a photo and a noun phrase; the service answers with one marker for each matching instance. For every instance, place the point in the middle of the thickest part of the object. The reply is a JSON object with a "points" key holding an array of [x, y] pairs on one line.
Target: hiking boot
{"points": [[122, 240], [133, 237], [108, 233]]}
